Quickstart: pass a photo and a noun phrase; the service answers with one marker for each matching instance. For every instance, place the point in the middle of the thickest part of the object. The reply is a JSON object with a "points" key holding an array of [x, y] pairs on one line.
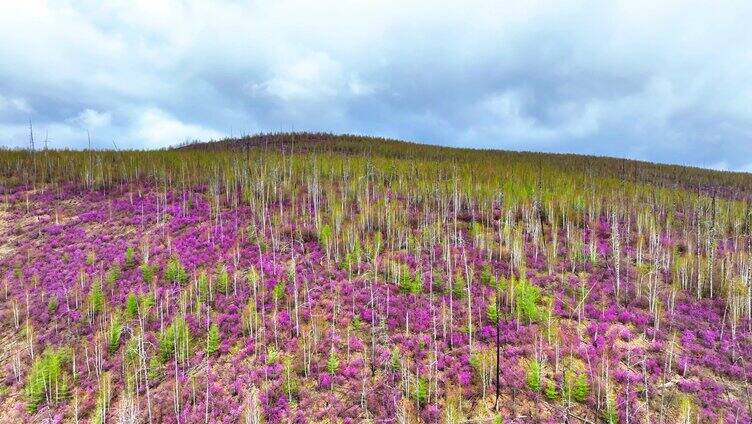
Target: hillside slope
{"points": [[345, 279]]}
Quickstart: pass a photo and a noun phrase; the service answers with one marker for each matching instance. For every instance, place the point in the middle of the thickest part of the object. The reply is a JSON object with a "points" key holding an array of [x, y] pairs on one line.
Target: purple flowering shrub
{"points": [[363, 301]]}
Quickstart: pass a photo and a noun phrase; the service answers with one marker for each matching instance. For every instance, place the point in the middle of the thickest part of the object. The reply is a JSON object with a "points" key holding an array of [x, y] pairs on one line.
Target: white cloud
{"points": [[506, 117], [669, 81], [154, 127], [360, 88], [91, 119], [314, 77], [13, 104]]}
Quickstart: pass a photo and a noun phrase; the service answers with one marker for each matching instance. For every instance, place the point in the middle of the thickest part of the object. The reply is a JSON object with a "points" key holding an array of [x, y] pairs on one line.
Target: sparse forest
{"points": [[316, 278]]}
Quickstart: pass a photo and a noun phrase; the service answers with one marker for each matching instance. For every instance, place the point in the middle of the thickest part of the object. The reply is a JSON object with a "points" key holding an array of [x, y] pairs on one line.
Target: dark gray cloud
{"points": [[669, 82]]}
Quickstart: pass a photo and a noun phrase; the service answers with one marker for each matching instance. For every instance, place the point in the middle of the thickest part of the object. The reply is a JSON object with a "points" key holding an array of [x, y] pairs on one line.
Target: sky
{"points": [[664, 81]]}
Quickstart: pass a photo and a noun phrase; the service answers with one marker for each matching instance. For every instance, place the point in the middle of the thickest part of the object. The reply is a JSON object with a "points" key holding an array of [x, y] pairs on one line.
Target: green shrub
{"points": [[147, 273], [394, 359], [113, 334], [175, 272], [533, 376], [278, 292], [410, 283], [332, 364], [147, 301], [575, 386], [176, 334], [155, 368], [458, 286], [252, 276], [113, 274], [476, 229], [581, 388], [438, 281], [527, 298], [421, 391], [272, 355], [501, 284], [212, 340], [96, 297], [131, 306], [325, 235], [130, 257], [486, 277], [550, 391], [203, 285], [47, 379], [222, 278], [492, 312], [357, 323]]}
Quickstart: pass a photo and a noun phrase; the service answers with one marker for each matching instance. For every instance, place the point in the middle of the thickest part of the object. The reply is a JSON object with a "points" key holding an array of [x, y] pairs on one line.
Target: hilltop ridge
{"points": [[726, 184]]}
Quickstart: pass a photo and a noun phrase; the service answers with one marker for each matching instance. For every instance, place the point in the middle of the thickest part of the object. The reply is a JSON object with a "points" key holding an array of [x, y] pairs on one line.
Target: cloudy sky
{"points": [[669, 82]]}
